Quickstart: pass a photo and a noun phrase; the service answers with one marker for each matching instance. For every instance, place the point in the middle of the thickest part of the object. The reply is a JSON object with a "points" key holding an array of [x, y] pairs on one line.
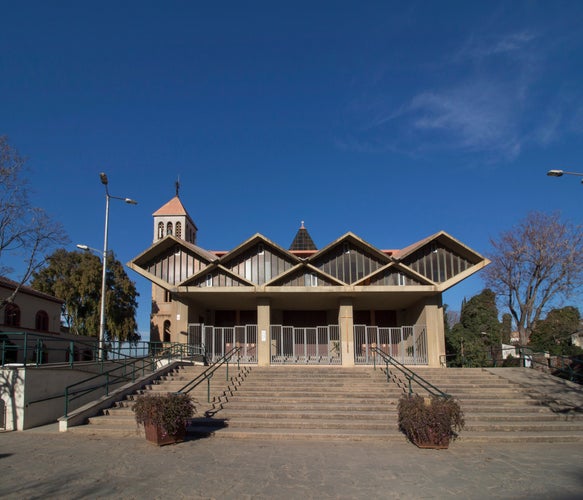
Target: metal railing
{"points": [[305, 345], [127, 370], [405, 343], [208, 374], [410, 376]]}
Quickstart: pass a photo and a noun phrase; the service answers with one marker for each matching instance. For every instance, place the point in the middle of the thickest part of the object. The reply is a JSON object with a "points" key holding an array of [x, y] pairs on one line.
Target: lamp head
{"points": [[103, 178], [129, 201], [83, 247], [555, 173]]}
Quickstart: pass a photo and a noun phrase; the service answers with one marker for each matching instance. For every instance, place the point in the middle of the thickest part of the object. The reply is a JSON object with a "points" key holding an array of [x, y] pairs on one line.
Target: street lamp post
{"points": [[560, 173], [104, 181]]}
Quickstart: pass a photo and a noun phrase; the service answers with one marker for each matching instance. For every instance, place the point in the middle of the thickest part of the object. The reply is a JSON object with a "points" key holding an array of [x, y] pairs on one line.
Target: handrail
{"points": [[409, 374], [209, 372], [151, 363]]}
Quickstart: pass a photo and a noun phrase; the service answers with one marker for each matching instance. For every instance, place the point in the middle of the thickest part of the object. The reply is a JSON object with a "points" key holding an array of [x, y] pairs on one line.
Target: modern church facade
{"points": [[301, 305]]}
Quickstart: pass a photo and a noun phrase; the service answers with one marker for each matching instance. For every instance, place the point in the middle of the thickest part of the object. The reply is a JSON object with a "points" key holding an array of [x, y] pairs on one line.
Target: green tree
{"points": [[476, 338], [27, 233], [533, 264], [553, 334], [75, 277]]}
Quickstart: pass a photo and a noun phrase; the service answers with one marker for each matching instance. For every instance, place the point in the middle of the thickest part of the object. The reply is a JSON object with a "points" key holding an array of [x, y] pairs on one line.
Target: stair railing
{"points": [[410, 376], [207, 375]]}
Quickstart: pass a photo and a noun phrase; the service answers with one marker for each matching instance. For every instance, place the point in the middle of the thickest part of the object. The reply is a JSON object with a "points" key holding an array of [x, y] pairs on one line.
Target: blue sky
{"points": [[393, 120]]}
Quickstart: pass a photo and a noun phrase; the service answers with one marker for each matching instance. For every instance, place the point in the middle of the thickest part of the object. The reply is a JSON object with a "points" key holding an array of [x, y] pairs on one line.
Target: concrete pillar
{"points": [[263, 334], [346, 323], [435, 333]]}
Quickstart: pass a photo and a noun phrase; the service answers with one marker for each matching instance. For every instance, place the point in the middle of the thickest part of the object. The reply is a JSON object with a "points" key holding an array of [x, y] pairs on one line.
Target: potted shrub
{"points": [[430, 422], [164, 416]]}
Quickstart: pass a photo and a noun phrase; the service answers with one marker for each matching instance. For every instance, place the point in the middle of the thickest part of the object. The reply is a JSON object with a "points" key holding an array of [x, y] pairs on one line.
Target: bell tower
{"points": [[172, 218]]}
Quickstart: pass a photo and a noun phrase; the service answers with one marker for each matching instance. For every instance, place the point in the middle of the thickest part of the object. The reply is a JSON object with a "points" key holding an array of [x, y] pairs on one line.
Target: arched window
{"points": [[169, 228], [12, 315], [178, 230], [41, 321], [160, 230], [167, 331]]}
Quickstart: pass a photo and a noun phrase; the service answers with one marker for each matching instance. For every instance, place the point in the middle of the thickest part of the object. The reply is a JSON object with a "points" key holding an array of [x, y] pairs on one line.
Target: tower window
{"points": [[160, 230], [178, 230], [169, 228]]}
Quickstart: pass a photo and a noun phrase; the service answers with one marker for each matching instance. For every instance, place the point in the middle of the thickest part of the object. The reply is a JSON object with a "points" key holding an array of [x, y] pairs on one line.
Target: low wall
{"points": [[34, 396]]}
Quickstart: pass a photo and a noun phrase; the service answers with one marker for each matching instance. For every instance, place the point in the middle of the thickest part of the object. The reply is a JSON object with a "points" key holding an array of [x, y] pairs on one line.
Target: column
{"points": [[346, 323], [263, 333]]}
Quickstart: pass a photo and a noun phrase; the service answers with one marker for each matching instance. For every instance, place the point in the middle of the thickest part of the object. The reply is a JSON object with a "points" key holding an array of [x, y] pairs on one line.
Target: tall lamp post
{"points": [[560, 173], [104, 181]]}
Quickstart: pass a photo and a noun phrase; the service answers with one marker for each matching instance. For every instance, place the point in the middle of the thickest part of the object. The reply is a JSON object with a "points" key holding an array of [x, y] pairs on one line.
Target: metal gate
{"points": [[306, 345], [217, 341], [407, 344]]}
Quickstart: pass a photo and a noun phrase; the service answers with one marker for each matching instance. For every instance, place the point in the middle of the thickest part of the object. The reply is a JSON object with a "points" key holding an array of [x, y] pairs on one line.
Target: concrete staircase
{"points": [[502, 409], [312, 403], [336, 403], [120, 420]]}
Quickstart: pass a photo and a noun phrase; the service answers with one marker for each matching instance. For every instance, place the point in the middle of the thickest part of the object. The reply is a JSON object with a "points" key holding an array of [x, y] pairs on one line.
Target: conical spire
{"points": [[303, 240]]}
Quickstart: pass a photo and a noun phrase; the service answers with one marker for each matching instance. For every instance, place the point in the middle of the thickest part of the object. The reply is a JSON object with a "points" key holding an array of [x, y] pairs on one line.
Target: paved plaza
{"points": [[43, 463]]}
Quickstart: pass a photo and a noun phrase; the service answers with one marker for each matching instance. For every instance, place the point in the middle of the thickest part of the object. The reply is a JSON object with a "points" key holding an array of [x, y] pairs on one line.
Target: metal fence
{"points": [[407, 344], [311, 345], [217, 341]]}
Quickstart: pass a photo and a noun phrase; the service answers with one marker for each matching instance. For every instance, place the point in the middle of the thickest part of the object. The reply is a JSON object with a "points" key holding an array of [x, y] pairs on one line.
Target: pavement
{"points": [[43, 463]]}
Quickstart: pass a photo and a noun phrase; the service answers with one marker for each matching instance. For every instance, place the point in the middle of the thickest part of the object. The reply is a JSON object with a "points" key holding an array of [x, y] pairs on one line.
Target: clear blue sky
{"points": [[393, 120]]}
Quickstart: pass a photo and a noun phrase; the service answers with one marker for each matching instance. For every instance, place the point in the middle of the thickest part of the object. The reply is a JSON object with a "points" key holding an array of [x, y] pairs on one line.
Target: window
{"points": [[310, 279], [160, 230], [401, 279], [260, 249], [209, 280], [41, 321], [12, 315], [167, 325], [169, 228], [178, 230]]}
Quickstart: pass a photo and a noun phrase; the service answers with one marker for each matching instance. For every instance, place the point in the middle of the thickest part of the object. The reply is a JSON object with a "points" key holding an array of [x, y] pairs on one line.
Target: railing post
{"points": [[25, 349], [71, 353], [66, 401], [107, 384], [208, 388]]}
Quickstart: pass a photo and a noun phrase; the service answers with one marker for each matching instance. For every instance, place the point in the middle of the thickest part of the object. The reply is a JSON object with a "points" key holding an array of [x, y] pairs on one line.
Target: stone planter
{"points": [[156, 435]]}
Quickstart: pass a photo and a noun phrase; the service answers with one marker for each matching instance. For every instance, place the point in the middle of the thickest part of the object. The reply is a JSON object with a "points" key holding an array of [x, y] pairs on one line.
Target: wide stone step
{"points": [[523, 426], [311, 415], [337, 424], [310, 434], [540, 436], [288, 406]]}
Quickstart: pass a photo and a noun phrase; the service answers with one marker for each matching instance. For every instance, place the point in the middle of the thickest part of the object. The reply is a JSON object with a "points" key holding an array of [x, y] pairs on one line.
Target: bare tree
{"points": [[535, 264], [26, 232]]}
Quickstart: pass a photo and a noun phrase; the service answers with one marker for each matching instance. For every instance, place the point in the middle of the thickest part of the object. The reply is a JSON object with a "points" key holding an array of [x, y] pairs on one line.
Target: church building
{"points": [[301, 305]]}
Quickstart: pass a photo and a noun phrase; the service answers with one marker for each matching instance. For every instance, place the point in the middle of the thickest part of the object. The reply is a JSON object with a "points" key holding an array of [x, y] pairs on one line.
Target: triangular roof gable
{"points": [[213, 269], [395, 267], [447, 241], [249, 243], [308, 268], [165, 244], [351, 238]]}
